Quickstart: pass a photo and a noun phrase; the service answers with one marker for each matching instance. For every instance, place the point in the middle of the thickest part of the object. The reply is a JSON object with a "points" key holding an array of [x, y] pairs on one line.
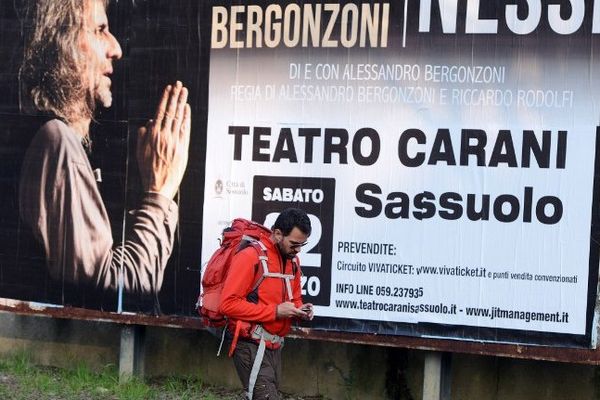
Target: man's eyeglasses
{"points": [[295, 245]]}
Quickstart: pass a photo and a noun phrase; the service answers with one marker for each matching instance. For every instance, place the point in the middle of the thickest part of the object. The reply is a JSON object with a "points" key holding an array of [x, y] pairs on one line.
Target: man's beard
{"points": [[103, 96], [286, 256], [98, 98], [90, 103]]}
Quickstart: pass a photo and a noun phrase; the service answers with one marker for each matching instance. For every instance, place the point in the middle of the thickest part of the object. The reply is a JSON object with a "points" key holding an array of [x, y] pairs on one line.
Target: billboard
{"points": [[445, 151], [78, 228]]}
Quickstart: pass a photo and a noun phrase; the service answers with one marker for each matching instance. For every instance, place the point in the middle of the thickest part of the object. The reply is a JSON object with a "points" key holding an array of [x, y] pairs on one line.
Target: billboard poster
{"points": [[446, 152], [80, 226]]}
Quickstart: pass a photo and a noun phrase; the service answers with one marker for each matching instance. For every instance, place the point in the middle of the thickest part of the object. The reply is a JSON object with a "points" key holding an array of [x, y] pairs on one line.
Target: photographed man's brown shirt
{"points": [[60, 201]]}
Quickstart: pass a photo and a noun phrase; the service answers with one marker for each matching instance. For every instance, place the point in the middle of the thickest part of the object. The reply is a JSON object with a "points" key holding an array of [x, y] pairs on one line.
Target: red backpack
{"points": [[241, 232]]}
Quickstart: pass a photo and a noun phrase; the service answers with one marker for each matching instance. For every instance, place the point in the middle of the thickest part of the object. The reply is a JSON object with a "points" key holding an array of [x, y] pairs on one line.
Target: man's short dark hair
{"points": [[291, 218]]}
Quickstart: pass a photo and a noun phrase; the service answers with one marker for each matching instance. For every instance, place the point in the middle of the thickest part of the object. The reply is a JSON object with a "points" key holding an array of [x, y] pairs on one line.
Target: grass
{"points": [[21, 380]]}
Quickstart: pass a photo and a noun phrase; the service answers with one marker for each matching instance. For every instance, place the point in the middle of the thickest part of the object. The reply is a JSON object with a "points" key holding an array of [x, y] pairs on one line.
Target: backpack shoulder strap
{"points": [[261, 250]]}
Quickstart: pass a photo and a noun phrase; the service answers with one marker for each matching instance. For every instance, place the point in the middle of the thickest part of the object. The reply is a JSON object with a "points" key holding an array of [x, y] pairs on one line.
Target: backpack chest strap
{"points": [[286, 277], [263, 260]]}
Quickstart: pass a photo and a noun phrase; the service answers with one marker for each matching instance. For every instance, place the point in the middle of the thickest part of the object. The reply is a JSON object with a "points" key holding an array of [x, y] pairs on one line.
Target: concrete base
{"points": [[333, 370], [436, 376], [131, 352]]}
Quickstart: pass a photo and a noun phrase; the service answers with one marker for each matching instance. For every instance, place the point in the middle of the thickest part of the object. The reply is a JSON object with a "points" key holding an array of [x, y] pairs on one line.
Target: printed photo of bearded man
{"points": [[66, 76]]}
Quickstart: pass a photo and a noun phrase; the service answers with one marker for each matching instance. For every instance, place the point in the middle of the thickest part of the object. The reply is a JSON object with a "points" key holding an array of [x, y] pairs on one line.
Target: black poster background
{"points": [[161, 42], [316, 283]]}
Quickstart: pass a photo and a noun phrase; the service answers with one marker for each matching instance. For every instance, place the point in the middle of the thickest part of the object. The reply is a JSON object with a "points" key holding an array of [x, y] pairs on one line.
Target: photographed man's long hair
{"points": [[51, 74]]}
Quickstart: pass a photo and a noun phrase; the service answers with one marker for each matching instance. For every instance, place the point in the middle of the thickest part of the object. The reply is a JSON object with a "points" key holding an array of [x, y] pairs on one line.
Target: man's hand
{"points": [[162, 149], [289, 310], [309, 310]]}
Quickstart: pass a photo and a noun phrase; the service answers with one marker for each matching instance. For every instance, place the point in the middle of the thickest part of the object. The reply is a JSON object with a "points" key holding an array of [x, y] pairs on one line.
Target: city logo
{"points": [[218, 188]]}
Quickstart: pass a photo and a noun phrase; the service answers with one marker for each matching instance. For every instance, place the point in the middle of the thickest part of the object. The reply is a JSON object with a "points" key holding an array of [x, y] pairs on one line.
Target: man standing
{"points": [[65, 74], [260, 317]]}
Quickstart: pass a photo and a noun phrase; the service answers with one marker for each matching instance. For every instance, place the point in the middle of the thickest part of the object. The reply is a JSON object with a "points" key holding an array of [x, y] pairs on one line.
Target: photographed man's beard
{"points": [[90, 102], [95, 99], [103, 96], [285, 256]]}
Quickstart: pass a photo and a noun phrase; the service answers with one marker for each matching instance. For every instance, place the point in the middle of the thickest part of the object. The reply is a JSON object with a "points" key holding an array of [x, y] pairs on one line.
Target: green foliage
{"points": [[187, 388], [20, 379]]}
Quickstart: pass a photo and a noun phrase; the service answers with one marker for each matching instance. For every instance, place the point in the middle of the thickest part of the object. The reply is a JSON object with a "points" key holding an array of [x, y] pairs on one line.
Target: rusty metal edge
{"points": [[545, 353], [531, 352], [53, 311]]}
